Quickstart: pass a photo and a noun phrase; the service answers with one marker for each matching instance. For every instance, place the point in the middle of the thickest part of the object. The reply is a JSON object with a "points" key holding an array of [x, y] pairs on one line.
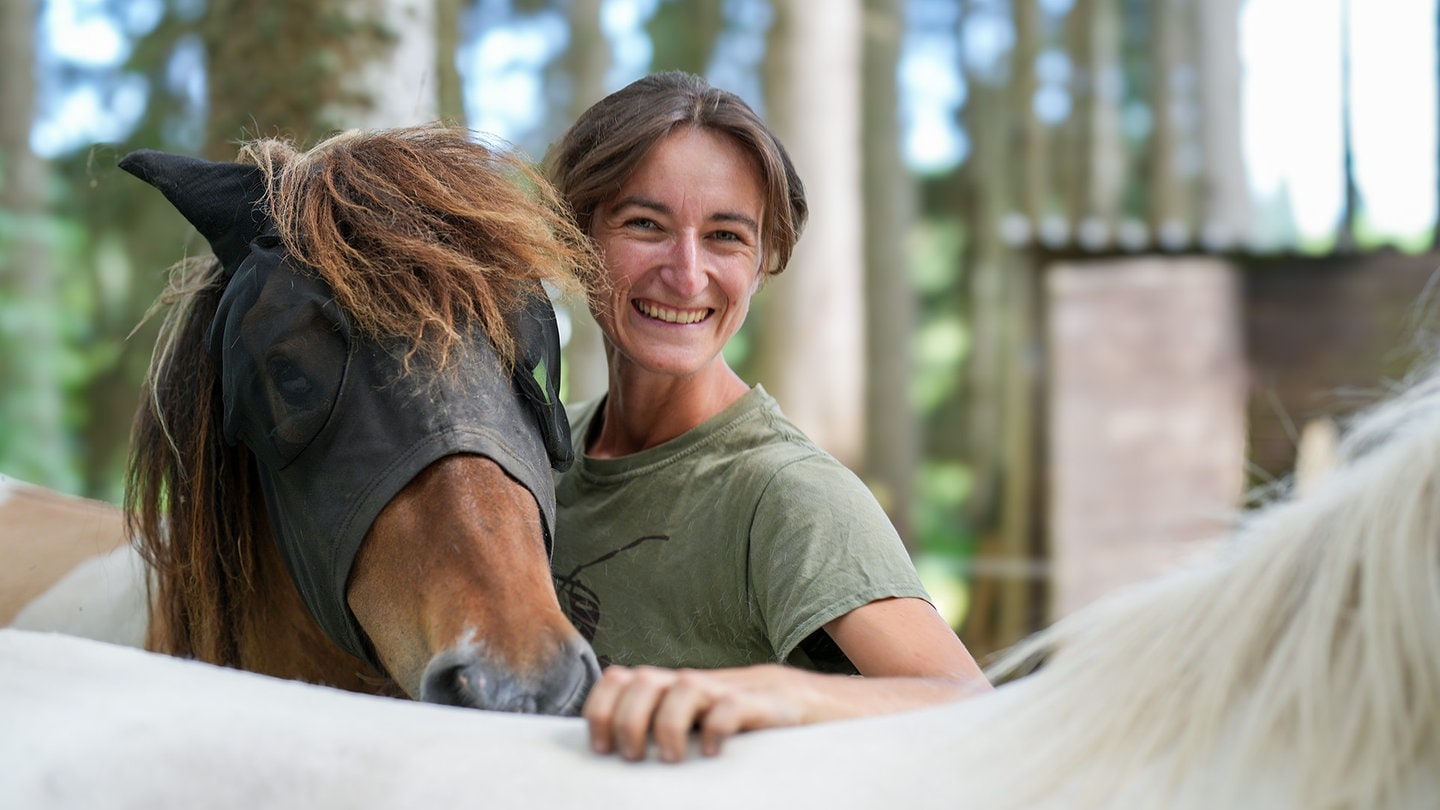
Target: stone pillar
{"points": [[1146, 418]]}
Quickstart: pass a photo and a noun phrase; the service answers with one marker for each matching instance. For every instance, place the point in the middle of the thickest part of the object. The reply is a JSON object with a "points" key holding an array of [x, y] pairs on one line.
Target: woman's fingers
{"points": [[635, 710], [599, 711], [630, 705], [685, 701]]}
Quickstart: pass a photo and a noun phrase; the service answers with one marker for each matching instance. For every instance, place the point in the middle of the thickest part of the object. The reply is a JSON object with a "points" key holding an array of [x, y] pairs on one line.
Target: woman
{"points": [[699, 528]]}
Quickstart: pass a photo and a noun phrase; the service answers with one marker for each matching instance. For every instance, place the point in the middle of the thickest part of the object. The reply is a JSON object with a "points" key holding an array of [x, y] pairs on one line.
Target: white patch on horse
{"points": [[103, 598]]}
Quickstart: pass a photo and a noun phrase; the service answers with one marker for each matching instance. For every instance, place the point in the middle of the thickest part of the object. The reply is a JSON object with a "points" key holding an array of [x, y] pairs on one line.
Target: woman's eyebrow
{"points": [[736, 217], [651, 204], [640, 201]]}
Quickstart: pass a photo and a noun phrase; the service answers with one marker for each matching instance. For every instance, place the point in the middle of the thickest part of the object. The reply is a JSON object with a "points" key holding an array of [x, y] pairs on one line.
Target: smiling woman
{"points": [[682, 239], [699, 527]]}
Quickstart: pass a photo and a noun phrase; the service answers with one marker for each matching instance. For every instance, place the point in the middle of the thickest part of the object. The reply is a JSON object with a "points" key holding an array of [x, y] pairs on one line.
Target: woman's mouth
{"points": [[660, 312]]}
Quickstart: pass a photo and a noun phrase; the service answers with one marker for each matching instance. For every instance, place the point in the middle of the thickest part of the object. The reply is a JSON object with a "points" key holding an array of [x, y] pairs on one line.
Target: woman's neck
{"points": [[643, 410]]}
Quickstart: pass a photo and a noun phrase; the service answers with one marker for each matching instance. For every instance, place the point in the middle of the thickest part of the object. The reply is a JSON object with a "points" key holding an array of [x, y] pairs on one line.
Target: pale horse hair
{"points": [[1301, 670], [1304, 664]]}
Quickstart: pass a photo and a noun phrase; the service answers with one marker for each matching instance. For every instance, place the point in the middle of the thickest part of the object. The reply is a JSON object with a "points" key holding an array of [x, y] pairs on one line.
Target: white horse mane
{"points": [[1302, 670], [1307, 658]]}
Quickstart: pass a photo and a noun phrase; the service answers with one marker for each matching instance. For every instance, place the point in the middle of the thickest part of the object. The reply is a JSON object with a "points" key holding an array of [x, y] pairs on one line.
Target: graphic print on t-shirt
{"points": [[580, 603]]}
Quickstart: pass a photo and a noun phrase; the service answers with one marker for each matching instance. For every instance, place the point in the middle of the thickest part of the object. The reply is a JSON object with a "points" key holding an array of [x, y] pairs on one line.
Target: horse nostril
{"points": [[452, 685], [475, 684]]}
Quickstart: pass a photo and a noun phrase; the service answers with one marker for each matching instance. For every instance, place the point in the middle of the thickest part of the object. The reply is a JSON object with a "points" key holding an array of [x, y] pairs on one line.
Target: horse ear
{"points": [[224, 201], [537, 377]]}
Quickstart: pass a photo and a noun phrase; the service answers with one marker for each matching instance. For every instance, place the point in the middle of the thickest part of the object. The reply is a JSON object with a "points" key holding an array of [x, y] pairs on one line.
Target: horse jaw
{"points": [[459, 555]]}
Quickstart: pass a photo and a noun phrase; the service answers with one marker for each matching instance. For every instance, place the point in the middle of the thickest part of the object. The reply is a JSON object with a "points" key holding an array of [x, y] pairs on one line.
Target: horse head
{"points": [[373, 365]]}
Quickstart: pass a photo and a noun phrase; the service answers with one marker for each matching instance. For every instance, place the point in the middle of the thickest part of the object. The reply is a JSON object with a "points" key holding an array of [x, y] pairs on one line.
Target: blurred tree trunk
{"points": [[31, 409], [987, 197], [1168, 211], [1002, 365], [449, 87], [811, 350], [1017, 538], [1029, 157], [1225, 195], [684, 35], [306, 70], [1345, 239], [587, 61], [1137, 75], [892, 436], [1099, 152]]}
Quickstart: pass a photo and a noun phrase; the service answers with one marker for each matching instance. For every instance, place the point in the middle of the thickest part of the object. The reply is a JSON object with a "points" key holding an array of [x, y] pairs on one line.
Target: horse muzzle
{"points": [[468, 676]]}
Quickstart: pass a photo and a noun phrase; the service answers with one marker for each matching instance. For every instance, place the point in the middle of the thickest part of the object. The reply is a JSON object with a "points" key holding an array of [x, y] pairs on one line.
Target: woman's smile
{"points": [[660, 312]]}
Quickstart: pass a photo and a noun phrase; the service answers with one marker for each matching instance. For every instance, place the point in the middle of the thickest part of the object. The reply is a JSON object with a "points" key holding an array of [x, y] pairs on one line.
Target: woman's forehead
{"points": [[696, 167]]}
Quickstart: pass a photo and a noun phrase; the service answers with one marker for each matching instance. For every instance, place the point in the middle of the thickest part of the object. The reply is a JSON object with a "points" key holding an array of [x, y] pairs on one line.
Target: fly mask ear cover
{"points": [[336, 422]]}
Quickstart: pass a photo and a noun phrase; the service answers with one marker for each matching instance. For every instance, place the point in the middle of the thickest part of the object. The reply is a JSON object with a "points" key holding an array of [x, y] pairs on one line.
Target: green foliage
{"points": [[941, 524], [42, 342], [942, 340], [945, 578]]}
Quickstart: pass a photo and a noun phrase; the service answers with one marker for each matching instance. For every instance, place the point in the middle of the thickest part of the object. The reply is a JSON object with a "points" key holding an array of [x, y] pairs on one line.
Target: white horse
{"points": [[1301, 671], [65, 566]]}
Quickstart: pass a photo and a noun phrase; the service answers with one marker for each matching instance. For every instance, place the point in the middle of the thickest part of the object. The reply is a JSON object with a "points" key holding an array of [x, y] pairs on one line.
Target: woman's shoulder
{"points": [[760, 434], [770, 444]]}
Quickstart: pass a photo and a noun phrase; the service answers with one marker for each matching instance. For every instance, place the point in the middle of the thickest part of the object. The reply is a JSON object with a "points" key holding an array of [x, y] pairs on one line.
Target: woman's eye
{"points": [[642, 223]]}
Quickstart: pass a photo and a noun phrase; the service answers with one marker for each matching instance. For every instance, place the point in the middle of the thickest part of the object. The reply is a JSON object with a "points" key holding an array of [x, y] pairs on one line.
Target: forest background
{"points": [[950, 147]]}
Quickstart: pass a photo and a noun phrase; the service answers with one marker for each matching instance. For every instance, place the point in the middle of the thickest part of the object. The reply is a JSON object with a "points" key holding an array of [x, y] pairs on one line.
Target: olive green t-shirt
{"points": [[729, 545]]}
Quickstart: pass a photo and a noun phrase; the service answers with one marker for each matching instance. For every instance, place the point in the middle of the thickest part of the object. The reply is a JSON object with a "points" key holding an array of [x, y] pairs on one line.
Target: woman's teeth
{"points": [[668, 315]]}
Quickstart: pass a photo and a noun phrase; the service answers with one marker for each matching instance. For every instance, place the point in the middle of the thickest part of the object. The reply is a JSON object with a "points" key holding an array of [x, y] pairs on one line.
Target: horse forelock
{"points": [[424, 233], [192, 506]]}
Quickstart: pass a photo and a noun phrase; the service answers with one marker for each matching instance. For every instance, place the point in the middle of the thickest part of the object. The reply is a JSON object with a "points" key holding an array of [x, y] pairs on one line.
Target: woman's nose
{"points": [[685, 271]]}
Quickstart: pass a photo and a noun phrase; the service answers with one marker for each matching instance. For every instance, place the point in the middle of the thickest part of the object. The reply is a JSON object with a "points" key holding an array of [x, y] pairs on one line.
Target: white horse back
{"points": [[89, 724], [97, 725], [102, 598], [65, 566], [44, 535]]}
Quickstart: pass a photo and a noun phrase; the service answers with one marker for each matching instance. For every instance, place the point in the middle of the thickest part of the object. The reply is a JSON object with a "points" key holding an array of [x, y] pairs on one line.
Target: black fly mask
{"points": [[337, 424]]}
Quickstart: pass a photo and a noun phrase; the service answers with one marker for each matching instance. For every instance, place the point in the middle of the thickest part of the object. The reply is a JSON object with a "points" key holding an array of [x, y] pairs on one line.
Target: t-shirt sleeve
{"points": [[821, 546]]}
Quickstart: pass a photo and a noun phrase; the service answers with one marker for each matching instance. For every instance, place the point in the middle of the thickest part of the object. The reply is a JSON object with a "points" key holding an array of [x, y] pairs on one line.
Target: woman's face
{"points": [[681, 242]]}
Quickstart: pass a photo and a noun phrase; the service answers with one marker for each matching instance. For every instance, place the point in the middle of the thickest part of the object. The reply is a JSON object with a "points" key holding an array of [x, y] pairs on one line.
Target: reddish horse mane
{"points": [[417, 231]]}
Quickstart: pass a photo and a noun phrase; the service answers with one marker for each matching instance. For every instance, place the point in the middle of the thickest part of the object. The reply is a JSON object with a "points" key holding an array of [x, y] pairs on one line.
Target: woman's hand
{"points": [[629, 705]]}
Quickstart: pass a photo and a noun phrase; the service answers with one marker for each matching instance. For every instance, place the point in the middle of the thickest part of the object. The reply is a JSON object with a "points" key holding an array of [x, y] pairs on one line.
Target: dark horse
{"points": [[341, 466]]}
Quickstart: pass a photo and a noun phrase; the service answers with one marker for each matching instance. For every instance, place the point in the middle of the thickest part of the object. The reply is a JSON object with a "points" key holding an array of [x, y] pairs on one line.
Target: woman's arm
{"points": [[903, 636], [911, 657]]}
